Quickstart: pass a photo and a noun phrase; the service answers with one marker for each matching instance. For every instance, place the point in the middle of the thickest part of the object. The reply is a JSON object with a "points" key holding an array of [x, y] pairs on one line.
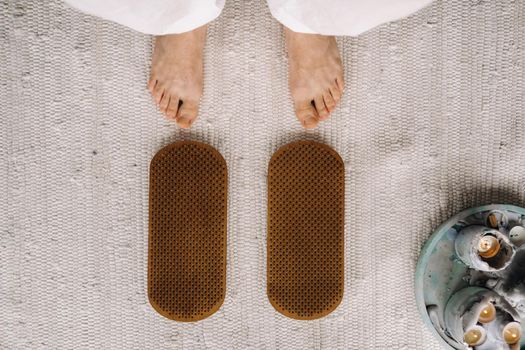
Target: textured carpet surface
{"points": [[432, 122]]}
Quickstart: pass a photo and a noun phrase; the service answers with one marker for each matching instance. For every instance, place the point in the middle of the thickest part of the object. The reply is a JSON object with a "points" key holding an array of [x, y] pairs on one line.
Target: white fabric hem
{"points": [[191, 22], [290, 22], [358, 20], [135, 21]]}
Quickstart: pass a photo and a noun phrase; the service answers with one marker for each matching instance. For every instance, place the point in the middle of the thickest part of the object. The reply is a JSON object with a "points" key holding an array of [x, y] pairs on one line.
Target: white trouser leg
{"points": [[156, 17], [340, 17]]}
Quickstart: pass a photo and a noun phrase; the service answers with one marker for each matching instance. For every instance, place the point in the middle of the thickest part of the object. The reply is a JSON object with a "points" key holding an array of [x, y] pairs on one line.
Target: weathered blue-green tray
{"points": [[440, 273]]}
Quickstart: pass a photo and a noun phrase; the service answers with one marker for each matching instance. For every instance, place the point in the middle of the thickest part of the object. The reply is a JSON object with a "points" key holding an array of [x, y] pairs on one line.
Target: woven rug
{"points": [[432, 123]]}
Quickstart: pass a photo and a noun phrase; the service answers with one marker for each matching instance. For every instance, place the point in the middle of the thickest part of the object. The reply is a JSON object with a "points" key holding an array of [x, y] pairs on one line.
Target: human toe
{"points": [[187, 113], [151, 84], [329, 101], [322, 111], [307, 114], [340, 82], [164, 102], [335, 92], [158, 92], [173, 107]]}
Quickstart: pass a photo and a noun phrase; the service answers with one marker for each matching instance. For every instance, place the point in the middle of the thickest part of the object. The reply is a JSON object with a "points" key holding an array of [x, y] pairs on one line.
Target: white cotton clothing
{"points": [[157, 17], [328, 17], [340, 17]]}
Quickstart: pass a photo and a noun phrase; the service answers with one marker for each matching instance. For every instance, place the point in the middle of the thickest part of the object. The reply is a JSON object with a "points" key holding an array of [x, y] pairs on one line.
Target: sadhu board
{"points": [[187, 231], [305, 241]]}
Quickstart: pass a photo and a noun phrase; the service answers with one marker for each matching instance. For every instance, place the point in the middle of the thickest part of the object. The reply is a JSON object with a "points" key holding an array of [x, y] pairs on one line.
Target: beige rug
{"points": [[432, 123]]}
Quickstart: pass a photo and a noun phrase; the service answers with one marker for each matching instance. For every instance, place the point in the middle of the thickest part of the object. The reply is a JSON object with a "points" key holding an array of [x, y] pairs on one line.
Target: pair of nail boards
{"points": [[188, 230]]}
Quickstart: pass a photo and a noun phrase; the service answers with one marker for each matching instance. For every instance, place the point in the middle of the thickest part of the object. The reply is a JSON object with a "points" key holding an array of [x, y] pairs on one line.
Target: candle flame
{"points": [[487, 314]]}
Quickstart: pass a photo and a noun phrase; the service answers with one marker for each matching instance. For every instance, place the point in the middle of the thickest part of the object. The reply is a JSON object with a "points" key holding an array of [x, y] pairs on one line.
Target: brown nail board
{"points": [[187, 231], [305, 242]]}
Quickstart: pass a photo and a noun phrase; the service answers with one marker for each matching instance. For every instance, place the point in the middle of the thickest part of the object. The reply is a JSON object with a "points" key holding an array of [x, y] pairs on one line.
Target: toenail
{"points": [[309, 122], [184, 121]]}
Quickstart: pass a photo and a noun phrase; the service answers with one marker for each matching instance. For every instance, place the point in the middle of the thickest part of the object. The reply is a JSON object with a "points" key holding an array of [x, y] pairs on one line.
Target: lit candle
{"points": [[475, 336], [484, 249], [488, 247], [512, 333], [497, 219], [487, 314], [493, 220]]}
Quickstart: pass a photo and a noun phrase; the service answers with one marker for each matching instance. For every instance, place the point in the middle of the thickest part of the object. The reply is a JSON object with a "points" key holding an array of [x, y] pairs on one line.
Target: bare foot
{"points": [[315, 75], [176, 79]]}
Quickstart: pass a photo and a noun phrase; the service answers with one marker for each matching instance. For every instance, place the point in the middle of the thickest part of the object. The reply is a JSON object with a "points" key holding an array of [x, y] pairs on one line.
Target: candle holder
{"points": [[484, 249], [477, 318], [470, 287]]}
